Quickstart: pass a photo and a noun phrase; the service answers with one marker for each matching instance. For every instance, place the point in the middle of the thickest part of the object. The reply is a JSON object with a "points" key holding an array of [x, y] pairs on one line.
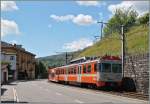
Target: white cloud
{"points": [[8, 6], [140, 6], [83, 19], [78, 44], [62, 18], [88, 3], [80, 19], [9, 27]]}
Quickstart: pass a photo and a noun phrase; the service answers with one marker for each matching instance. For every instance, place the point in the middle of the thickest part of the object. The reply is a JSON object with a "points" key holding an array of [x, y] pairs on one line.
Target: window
{"points": [[100, 67], [74, 70], [106, 67], [89, 68], [116, 68], [11, 57], [95, 67], [64, 71], [56, 72], [84, 68]]}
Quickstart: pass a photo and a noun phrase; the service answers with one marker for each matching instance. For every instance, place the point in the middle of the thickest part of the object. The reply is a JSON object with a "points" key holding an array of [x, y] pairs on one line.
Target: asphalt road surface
{"points": [[44, 92]]}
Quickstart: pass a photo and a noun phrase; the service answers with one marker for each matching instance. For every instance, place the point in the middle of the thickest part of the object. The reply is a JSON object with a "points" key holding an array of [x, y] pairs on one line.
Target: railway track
{"points": [[128, 94], [113, 92]]}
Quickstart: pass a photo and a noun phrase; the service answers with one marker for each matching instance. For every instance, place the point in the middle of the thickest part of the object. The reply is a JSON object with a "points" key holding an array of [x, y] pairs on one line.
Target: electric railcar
{"points": [[106, 71]]}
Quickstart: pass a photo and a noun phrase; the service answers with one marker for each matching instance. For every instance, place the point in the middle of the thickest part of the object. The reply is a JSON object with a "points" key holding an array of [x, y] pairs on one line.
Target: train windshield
{"points": [[116, 68], [110, 67], [106, 67]]}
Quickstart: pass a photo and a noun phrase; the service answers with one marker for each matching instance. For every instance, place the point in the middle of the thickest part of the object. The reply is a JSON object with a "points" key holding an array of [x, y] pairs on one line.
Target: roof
{"points": [[6, 45]]}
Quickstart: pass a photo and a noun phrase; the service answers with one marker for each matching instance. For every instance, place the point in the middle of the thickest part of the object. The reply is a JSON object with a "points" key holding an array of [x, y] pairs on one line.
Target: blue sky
{"points": [[47, 27]]}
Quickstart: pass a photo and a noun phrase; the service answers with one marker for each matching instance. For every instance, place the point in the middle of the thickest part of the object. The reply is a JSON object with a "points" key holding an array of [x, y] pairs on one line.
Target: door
{"points": [[66, 74], [79, 73], [5, 77]]}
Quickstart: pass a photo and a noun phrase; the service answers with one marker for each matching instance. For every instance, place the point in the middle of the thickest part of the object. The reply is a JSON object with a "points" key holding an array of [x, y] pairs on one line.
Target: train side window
{"points": [[89, 68], [84, 68], [95, 67], [74, 70], [68, 71], [71, 72], [64, 71]]}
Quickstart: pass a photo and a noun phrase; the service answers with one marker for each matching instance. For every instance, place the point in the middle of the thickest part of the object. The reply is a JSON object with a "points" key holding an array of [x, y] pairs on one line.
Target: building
{"points": [[4, 73], [25, 61], [11, 59]]}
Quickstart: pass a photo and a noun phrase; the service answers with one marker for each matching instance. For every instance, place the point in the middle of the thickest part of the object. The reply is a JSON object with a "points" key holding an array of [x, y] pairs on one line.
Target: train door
{"points": [[66, 74], [79, 73]]}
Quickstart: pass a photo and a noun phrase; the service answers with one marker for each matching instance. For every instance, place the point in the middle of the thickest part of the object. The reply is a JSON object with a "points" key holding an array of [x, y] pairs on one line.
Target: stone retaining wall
{"points": [[137, 67]]}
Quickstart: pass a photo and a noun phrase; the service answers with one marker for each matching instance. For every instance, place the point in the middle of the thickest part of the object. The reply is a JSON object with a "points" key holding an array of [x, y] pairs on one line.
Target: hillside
{"points": [[57, 60], [136, 42]]}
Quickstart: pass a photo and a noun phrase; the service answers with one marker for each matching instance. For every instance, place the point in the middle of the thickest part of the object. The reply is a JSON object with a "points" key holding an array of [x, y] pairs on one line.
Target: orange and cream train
{"points": [[105, 71]]}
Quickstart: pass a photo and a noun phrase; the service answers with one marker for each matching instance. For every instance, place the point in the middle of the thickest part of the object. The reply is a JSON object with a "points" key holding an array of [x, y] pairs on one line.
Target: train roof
{"points": [[87, 60]]}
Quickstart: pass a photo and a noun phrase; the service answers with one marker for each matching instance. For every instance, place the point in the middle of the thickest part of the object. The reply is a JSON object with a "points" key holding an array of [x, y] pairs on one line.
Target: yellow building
{"points": [[25, 61]]}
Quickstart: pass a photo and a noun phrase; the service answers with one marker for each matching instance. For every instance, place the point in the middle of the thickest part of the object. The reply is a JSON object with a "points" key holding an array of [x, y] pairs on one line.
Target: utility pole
{"points": [[123, 45], [102, 23], [123, 48], [66, 58], [101, 30]]}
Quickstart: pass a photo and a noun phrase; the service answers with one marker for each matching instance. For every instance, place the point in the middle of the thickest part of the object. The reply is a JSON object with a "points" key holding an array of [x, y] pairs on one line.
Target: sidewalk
{"points": [[7, 94]]}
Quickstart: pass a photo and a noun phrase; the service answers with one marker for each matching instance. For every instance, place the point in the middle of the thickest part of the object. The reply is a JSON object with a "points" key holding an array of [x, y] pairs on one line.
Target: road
{"points": [[43, 91]]}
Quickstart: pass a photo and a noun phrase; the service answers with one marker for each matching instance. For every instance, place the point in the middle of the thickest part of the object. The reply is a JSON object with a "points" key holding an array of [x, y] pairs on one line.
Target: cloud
{"points": [[140, 6], [9, 27], [87, 3], [78, 44], [62, 18], [8, 6], [83, 19], [80, 19]]}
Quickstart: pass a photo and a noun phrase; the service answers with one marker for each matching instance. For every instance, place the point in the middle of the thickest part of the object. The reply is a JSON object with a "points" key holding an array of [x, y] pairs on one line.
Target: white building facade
{"points": [[11, 59]]}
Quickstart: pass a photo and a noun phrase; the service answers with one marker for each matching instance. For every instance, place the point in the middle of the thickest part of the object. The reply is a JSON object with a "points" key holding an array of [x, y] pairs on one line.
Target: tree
{"points": [[126, 17], [144, 19], [40, 69]]}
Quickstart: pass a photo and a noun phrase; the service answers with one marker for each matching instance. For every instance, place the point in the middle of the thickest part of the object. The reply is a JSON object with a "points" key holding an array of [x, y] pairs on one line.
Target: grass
{"points": [[136, 43]]}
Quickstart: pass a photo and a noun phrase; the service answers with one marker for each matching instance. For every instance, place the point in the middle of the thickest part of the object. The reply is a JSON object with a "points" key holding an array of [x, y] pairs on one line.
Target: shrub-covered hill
{"points": [[136, 42]]}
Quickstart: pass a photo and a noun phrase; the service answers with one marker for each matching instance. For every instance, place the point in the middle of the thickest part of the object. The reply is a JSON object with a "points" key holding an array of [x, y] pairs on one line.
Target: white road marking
{"points": [[15, 95], [57, 93], [79, 101]]}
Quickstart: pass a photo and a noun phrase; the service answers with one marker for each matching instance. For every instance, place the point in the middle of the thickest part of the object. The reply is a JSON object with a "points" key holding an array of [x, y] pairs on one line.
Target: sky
{"points": [[48, 27]]}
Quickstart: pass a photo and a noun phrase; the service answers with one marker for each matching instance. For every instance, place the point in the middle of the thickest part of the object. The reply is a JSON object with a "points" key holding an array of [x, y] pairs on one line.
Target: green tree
{"points": [[144, 19], [40, 69], [126, 17]]}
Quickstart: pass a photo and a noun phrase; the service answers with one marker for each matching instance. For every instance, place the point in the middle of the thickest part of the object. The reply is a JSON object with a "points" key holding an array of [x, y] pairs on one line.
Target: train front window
{"points": [[116, 68], [106, 67]]}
